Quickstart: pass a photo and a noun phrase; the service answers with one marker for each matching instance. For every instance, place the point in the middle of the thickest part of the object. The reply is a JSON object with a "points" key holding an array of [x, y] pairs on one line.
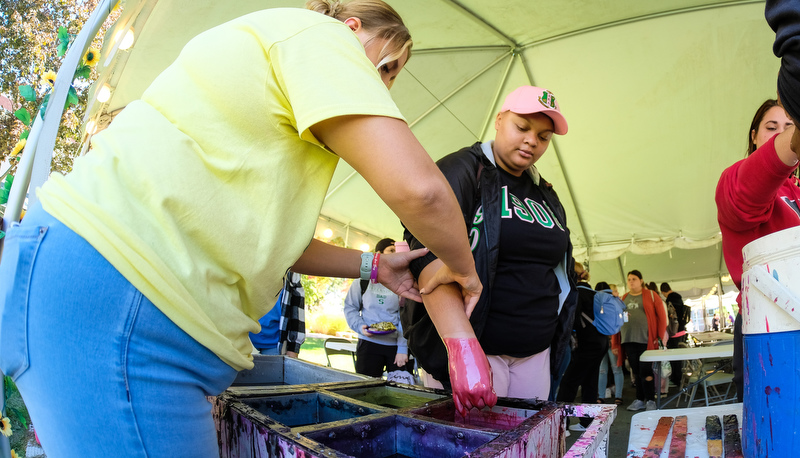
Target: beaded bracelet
{"points": [[373, 276]]}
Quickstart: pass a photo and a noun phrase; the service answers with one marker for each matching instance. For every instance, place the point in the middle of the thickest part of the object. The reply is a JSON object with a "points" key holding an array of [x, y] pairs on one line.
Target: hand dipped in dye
{"points": [[470, 374]]}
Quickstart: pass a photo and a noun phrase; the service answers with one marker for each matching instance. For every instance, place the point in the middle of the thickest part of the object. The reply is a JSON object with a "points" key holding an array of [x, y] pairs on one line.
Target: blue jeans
{"points": [[102, 370], [619, 378]]}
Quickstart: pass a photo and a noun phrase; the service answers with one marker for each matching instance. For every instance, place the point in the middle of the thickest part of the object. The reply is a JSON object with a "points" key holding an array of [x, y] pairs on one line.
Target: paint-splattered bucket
{"points": [[771, 330]]}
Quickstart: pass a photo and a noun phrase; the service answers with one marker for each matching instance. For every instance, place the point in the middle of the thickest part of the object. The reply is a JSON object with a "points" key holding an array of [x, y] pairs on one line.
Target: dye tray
{"points": [[367, 417]]}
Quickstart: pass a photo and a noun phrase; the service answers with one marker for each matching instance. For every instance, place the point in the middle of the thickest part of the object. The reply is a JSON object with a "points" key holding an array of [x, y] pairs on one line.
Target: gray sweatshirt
{"points": [[380, 304]]}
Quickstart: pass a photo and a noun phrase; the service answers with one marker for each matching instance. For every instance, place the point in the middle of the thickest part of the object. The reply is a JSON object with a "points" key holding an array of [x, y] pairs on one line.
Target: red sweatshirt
{"points": [[755, 197]]}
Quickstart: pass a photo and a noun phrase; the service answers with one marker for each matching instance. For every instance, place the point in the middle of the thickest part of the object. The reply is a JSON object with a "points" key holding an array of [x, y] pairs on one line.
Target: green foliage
{"points": [[16, 411], [34, 37], [321, 291]]}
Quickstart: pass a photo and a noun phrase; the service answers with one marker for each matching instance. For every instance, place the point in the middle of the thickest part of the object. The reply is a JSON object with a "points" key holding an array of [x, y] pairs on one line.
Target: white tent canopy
{"points": [[658, 96]]}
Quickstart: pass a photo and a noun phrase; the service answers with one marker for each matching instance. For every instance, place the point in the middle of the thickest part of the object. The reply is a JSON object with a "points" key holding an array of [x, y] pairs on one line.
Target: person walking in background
{"points": [[715, 322], [647, 323], [610, 359], [584, 365], [521, 247], [283, 329], [377, 351], [683, 312], [152, 261]]}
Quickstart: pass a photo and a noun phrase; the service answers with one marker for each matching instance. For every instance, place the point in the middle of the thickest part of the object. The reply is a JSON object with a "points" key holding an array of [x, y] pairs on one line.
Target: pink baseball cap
{"points": [[531, 99]]}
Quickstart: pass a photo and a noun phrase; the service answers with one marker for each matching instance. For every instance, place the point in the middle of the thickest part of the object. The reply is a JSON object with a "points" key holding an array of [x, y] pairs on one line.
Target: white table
{"points": [[724, 350], [643, 424], [711, 337]]}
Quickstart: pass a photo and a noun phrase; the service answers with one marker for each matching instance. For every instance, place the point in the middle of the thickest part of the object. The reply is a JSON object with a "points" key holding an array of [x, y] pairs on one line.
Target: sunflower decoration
{"points": [[14, 454], [91, 57], [18, 147], [5, 426], [49, 77]]}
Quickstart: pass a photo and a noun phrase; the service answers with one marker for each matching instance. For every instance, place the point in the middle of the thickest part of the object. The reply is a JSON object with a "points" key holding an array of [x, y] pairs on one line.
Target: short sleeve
{"points": [[324, 72]]}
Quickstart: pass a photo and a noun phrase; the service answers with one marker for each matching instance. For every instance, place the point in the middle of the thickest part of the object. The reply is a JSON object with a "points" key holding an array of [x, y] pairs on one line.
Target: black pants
{"points": [[583, 371], [372, 359], [645, 390], [677, 366]]}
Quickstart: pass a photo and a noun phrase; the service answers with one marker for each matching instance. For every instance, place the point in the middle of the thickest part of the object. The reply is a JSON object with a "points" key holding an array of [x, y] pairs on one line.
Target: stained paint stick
{"points": [[659, 438], [733, 441], [677, 447], [714, 436]]}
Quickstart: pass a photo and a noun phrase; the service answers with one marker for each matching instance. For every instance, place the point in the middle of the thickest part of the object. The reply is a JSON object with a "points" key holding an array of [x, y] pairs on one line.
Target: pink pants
{"points": [[513, 377], [521, 377]]}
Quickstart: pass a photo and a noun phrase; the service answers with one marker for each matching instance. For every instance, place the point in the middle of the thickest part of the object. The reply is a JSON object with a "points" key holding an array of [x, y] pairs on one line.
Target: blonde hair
{"points": [[377, 18]]}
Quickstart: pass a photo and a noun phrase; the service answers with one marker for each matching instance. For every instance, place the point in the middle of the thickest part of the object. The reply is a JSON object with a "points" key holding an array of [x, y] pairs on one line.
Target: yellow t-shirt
{"points": [[207, 189]]}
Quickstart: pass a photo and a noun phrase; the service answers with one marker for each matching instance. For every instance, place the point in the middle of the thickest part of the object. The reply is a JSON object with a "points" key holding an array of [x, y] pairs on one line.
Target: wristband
{"points": [[366, 265], [373, 276]]}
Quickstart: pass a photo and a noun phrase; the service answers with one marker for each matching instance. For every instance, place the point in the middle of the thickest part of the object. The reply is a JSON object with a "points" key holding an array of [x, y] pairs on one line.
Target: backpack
{"points": [[672, 320], [608, 312], [364, 285]]}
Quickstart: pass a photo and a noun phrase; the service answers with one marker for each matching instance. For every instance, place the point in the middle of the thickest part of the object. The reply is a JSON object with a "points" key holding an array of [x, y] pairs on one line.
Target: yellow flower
{"points": [[14, 454], [5, 427], [91, 57], [18, 147], [49, 78]]}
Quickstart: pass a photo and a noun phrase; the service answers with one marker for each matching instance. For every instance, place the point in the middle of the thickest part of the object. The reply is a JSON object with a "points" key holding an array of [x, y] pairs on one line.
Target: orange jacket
{"points": [[656, 323]]}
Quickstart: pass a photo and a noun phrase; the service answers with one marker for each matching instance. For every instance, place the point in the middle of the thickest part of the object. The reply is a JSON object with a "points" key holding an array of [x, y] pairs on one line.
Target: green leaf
{"points": [[84, 71], [72, 97], [27, 93], [23, 115], [20, 417], [24, 135], [63, 41], [43, 106]]}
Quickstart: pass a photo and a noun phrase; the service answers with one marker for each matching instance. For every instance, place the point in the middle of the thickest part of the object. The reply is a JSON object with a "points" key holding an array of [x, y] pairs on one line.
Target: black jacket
{"points": [[475, 182], [585, 331], [683, 312]]}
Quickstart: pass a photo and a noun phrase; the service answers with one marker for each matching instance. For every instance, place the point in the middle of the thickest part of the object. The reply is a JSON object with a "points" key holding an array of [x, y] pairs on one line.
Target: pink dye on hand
{"points": [[470, 375]]}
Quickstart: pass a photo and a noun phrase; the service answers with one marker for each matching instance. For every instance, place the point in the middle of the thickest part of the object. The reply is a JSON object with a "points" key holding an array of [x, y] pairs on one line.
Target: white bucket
{"points": [[771, 345], [771, 283]]}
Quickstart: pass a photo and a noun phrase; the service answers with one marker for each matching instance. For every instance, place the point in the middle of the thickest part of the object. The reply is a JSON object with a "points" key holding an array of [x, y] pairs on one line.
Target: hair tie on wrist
{"points": [[373, 276]]}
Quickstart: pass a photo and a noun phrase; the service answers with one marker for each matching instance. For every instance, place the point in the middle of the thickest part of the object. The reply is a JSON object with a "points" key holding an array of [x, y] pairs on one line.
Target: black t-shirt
{"points": [[523, 313]]}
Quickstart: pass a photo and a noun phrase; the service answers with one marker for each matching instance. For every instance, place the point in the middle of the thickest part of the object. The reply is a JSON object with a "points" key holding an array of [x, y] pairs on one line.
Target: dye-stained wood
{"points": [[677, 446], [733, 440], [659, 438], [377, 418], [714, 436]]}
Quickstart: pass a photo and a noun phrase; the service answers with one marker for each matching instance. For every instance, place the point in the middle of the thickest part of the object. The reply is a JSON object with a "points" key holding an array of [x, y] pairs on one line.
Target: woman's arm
{"points": [[386, 153], [661, 316], [325, 260], [470, 372]]}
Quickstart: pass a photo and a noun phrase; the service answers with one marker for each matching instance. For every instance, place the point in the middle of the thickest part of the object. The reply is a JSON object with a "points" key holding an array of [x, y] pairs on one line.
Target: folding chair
{"points": [[697, 370], [339, 346]]}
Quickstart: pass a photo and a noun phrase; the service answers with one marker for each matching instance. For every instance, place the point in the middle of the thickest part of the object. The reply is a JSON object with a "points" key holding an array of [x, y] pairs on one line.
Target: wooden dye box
{"points": [[320, 417]]}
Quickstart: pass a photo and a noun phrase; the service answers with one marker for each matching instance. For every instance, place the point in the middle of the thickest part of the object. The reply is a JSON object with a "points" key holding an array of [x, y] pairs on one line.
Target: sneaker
{"points": [[636, 405], [577, 427], [651, 405]]}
